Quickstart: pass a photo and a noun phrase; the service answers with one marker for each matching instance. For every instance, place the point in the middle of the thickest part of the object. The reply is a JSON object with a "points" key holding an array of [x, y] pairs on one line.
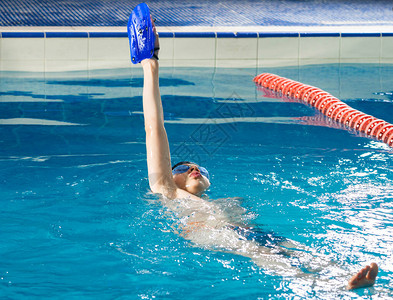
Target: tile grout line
{"points": [[380, 62], [380, 50], [173, 51], [215, 50], [256, 62], [88, 51], [1, 56], [339, 66], [298, 56], [45, 58]]}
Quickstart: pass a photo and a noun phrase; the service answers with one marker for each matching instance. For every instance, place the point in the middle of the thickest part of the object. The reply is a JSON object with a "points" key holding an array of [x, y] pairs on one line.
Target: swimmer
{"points": [[205, 223]]}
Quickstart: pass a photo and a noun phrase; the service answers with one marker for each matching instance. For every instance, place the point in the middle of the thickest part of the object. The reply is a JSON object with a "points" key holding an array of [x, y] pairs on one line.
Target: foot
{"points": [[365, 277]]}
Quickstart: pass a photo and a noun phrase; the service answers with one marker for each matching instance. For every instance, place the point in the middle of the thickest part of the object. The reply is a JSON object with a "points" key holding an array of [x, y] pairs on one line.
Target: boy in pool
{"points": [[204, 223]]}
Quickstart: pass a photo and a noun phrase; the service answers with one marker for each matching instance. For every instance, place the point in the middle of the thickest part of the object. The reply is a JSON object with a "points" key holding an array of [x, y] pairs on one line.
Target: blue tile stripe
{"points": [[194, 34], [166, 34], [277, 34], [319, 34], [237, 34], [22, 34], [188, 34], [66, 34], [108, 34], [246, 34], [360, 34]]}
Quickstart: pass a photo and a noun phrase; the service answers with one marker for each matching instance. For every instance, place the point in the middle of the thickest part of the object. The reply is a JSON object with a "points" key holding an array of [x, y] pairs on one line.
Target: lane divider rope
{"points": [[328, 105]]}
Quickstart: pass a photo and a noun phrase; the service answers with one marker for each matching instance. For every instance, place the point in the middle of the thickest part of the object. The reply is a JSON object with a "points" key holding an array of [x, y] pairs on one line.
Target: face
{"points": [[192, 180]]}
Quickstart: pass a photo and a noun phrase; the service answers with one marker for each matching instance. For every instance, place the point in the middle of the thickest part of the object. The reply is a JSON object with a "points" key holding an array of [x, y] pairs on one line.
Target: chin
{"points": [[197, 188], [194, 191]]}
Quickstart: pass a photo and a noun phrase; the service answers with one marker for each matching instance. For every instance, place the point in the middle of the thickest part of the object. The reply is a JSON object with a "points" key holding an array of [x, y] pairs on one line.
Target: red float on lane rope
{"points": [[333, 109], [328, 105]]}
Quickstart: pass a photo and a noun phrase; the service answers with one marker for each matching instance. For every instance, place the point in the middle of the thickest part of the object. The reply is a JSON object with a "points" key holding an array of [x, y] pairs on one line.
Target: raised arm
{"points": [[188, 182], [157, 146]]}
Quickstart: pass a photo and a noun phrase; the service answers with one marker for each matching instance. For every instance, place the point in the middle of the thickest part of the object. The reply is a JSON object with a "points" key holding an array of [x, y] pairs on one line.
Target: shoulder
{"points": [[171, 192], [184, 194]]}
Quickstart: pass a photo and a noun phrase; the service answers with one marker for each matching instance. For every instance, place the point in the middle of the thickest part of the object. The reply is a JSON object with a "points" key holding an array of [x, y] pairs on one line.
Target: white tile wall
{"points": [[61, 54], [112, 49], [236, 48], [108, 53], [195, 48], [360, 47], [166, 49], [30, 49], [319, 47], [18, 54], [278, 48], [66, 49], [387, 47], [23, 65]]}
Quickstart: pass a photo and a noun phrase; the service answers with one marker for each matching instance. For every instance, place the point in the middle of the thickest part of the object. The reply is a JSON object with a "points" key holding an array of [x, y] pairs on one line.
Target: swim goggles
{"points": [[184, 168]]}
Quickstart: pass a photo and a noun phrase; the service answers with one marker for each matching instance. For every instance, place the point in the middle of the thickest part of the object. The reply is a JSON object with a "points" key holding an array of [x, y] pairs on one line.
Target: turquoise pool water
{"points": [[77, 219]]}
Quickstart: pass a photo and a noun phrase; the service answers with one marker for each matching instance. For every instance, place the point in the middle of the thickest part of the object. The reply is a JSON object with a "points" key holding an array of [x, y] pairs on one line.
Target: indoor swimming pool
{"points": [[78, 219]]}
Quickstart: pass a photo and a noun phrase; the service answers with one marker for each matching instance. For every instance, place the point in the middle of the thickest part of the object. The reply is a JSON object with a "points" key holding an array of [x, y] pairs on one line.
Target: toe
{"points": [[363, 272], [373, 271]]}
